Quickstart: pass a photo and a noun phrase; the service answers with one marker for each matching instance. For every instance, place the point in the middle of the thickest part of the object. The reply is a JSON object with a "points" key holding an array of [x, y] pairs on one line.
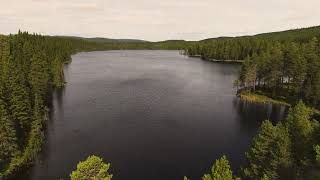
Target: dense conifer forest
{"points": [[283, 65], [30, 66]]}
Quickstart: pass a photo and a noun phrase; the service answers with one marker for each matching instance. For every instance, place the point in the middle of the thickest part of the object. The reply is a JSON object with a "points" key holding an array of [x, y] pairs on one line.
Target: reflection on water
{"points": [[274, 113], [151, 114]]}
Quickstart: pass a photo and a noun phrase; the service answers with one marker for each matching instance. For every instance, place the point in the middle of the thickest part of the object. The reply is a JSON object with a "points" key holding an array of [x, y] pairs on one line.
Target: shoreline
{"points": [[34, 145], [254, 97], [216, 60], [258, 98]]}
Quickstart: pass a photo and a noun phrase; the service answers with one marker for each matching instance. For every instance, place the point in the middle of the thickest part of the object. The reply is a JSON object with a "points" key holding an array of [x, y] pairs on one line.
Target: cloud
{"points": [[84, 8], [156, 20]]}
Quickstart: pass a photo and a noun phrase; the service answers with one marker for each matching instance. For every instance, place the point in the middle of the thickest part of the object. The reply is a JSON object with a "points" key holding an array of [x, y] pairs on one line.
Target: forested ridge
{"points": [[238, 48]]}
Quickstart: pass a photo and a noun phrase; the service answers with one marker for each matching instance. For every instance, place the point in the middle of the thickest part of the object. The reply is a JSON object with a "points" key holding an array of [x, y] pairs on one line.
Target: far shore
{"points": [[217, 60]]}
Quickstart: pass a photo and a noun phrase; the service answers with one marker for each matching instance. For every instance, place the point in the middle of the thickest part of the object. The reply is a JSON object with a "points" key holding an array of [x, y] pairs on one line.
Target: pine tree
{"points": [[220, 170], [312, 82], [270, 153], [19, 99], [39, 75], [92, 168], [300, 131], [295, 67], [57, 72]]}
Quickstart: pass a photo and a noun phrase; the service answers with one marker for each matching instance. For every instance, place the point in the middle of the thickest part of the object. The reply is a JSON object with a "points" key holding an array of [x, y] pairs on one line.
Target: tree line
{"points": [[283, 65], [238, 48], [31, 66], [288, 70]]}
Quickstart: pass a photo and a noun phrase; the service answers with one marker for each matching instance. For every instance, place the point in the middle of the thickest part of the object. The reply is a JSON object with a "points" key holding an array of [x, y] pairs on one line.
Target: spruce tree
{"points": [[92, 168], [8, 140], [270, 153], [300, 131]]}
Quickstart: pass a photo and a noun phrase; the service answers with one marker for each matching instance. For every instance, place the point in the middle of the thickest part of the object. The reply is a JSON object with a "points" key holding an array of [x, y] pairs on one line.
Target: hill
{"points": [[106, 40]]}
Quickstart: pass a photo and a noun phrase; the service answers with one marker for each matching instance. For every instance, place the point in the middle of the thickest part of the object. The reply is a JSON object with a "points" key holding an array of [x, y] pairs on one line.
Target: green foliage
{"points": [[38, 75], [30, 65], [238, 48], [265, 177], [8, 140], [287, 150], [57, 73], [220, 170], [291, 70], [300, 130], [317, 150], [270, 153], [19, 99], [282, 63], [92, 168]]}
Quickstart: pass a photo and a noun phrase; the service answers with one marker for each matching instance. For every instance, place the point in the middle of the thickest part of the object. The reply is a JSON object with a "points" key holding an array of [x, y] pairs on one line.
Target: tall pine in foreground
{"points": [[287, 150], [300, 130], [220, 170], [270, 154], [30, 65], [92, 168]]}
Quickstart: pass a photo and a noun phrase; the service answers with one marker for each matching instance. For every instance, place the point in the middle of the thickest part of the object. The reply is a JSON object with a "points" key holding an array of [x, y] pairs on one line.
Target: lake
{"points": [[152, 114]]}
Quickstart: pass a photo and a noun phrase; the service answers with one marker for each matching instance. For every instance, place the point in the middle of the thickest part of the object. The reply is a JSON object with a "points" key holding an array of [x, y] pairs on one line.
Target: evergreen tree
{"points": [[270, 153], [317, 151], [220, 170], [19, 102], [38, 75], [300, 131], [57, 72], [92, 168], [312, 82], [8, 140]]}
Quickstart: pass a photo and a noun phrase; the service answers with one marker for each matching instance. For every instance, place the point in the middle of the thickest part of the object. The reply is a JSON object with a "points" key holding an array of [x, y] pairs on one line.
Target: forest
{"points": [[31, 66], [283, 65]]}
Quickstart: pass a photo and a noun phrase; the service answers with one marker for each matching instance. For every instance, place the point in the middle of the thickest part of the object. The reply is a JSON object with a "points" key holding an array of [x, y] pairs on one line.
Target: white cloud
{"points": [[156, 20]]}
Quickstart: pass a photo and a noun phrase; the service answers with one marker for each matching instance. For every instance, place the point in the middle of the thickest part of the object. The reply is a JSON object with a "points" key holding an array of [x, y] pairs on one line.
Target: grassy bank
{"points": [[259, 98], [217, 60], [225, 61]]}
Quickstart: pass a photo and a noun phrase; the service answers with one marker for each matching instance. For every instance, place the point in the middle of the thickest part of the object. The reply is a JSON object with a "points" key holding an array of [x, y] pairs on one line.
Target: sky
{"points": [[156, 20]]}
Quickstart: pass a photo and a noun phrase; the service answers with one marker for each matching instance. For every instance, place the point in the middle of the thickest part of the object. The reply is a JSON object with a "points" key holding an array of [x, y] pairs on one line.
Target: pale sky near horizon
{"points": [[156, 19]]}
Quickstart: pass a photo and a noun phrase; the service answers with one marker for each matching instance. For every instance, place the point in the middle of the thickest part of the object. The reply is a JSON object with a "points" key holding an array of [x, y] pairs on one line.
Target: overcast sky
{"points": [[156, 19]]}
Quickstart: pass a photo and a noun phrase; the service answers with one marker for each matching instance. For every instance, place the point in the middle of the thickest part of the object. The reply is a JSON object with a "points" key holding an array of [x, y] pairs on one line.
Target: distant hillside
{"points": [[238, 48], [106, 40], [300, 35]]}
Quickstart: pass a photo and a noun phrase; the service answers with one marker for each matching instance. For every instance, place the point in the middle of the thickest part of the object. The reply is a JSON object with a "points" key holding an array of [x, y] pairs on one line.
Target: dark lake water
{"points": [[152, 114]]}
